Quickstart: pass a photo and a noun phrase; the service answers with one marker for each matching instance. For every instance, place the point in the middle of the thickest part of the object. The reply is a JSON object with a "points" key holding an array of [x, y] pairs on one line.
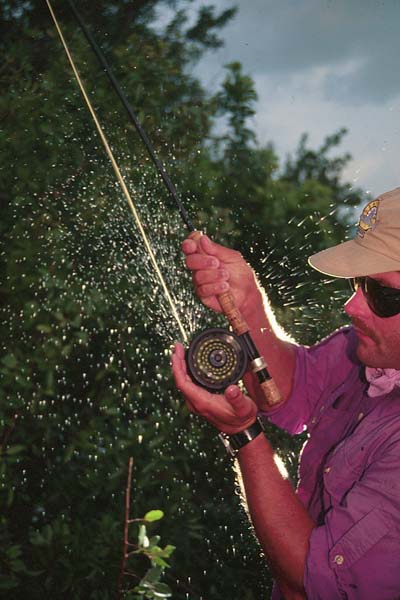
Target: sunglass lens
{"points": [[384, 301]]}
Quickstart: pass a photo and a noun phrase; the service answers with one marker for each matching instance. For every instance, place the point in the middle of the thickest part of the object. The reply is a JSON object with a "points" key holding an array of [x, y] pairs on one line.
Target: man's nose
{"points": [[356, 305]]}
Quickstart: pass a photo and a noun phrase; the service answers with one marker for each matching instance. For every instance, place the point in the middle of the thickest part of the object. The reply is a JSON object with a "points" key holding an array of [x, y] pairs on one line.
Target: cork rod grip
{"points": [[232, 313], [271, 393], [227, 303]]}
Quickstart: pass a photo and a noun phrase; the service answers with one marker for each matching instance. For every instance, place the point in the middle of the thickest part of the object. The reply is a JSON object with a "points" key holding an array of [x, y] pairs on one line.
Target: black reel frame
{"points": [[216, 358]]}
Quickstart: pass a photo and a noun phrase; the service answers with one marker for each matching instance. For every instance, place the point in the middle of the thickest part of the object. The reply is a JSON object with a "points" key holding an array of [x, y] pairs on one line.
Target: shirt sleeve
{"points": [[320, 369], [356, 553]]}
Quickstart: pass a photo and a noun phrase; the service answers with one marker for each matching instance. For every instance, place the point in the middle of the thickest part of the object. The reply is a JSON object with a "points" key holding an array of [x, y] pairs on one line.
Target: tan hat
{"points": [[376, 247]]}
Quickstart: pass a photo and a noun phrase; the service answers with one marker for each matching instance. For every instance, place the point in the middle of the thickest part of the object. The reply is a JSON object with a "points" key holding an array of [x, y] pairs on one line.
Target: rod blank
{"points": [[133, 118]]}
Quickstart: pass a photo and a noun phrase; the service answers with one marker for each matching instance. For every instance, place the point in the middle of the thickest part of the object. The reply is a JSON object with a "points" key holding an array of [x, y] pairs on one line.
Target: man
{"points": [[338, 536]]}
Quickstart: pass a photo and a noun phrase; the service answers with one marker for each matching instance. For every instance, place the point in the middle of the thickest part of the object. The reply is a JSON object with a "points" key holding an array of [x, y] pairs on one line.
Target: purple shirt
{"points": [[349, 473]]}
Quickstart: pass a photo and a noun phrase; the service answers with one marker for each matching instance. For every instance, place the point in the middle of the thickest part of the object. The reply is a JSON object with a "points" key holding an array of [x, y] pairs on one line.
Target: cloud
{"points": [[320, 65], [291, 37], [286, 111]]}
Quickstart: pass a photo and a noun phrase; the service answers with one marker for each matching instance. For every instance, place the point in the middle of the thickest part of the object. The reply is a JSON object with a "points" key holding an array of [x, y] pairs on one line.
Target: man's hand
{"points": [[216, 269], [229, 413]]}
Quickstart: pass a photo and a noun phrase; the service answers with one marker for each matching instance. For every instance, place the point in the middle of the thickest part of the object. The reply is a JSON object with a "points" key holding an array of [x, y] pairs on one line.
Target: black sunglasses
{"points": [[383, 301]]}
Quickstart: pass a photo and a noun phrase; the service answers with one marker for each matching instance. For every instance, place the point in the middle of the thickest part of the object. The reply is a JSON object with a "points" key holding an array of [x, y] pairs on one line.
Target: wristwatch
{"points": [[234, 442]]}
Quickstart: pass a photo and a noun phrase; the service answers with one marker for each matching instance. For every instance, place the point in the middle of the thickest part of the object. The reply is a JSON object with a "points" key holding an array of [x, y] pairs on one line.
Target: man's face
{"points": [[378, 338]]}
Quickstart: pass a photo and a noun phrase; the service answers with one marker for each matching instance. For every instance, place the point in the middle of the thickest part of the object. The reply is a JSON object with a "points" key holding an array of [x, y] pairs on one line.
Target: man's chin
{"points": [[375, 362], [366, 359]]}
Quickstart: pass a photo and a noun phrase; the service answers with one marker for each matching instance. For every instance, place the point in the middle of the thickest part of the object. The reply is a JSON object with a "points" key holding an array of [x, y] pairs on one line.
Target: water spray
{"points": [[216, 358]]}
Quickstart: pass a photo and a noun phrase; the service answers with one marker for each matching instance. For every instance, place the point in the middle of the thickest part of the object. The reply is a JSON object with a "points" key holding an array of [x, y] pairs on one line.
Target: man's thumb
{"points": [[233, 393], [243, 406]]}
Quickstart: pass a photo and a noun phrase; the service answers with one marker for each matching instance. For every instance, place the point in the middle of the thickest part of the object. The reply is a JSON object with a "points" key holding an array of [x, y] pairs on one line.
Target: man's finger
{"points": [[180, 373], [179, 366], [201, 261], [212, 289], [189, 246], [182, 379], [210, 276], [242, 405], [221, 252]]}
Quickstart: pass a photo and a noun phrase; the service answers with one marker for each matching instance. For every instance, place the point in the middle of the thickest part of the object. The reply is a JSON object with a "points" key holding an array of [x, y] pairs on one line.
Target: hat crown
{"points": [[376, 247]]}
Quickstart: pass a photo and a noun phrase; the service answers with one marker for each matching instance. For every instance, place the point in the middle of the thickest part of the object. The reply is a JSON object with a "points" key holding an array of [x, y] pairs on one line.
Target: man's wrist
{"points": [[233, 443], [253, 311]]}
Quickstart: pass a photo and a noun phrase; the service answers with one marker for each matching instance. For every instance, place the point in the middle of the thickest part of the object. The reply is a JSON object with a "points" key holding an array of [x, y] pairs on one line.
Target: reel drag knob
{"points": [[216, 358]]}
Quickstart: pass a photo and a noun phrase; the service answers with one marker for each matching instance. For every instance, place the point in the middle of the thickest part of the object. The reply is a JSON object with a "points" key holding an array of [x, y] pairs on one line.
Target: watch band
{"points": [[234, 442]]}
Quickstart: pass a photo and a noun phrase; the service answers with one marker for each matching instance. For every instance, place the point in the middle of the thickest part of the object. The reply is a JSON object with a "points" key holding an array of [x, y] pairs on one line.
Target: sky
{"points": [[318, 66]]}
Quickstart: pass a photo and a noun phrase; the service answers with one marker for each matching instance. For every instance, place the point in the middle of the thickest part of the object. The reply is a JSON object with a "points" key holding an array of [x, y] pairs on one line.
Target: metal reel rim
{"points": [[202, 374]]}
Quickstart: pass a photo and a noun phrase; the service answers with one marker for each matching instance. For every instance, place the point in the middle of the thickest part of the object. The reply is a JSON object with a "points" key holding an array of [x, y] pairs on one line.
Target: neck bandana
{"points": [[381, 381]]}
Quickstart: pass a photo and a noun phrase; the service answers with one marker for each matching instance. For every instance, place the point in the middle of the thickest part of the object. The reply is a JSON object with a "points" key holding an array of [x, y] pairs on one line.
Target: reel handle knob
{"points": [[227, 302]]}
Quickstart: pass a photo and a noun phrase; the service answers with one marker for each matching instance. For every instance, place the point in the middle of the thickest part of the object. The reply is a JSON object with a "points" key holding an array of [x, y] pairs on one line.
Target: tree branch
{"points": [[126, 528]]}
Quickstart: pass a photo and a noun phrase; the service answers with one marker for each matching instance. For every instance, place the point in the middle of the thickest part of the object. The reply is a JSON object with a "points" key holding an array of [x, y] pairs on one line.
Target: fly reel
{"points": [[216, 358]]}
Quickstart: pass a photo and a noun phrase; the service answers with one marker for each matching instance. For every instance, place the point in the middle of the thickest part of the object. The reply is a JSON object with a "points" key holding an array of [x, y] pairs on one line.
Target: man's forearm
{"points": [[282, 524]]}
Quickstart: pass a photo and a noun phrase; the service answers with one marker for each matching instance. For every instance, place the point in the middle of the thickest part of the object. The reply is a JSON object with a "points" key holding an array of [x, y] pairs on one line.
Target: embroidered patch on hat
{"points": [[368, 218]]}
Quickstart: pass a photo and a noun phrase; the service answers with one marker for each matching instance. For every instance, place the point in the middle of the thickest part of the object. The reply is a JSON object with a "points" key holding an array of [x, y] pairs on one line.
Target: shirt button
{"points": [[339, 559], [327, 469], [360, 416]]}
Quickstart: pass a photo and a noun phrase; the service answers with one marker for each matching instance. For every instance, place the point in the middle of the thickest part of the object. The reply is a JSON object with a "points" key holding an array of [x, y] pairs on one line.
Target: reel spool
{"points": [[216, 358]]}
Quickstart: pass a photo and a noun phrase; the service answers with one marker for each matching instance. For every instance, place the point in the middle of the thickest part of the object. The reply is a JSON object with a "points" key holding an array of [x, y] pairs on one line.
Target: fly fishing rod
{"points": [[216, 358]]}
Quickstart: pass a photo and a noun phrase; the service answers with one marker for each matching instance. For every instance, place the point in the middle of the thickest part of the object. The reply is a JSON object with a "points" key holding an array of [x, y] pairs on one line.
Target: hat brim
{"points": [[351, 259]]}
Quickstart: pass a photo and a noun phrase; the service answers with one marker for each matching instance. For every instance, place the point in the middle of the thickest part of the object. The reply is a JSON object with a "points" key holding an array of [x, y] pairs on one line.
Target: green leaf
{"points": [[161, 590], [43, 328], [16, 449], [17, 565], [112, 411], [152, 576], [153, 515], [82, 335], [9, 361], [169, 549], [164, 552], [69, 452], [8, 583], [66, 350], [157, 560], [10, 497], [13, 551], [154, 540]]}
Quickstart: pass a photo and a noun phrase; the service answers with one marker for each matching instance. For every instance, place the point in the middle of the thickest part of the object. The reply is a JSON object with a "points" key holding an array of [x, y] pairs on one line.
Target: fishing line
{"points": [[215, 358], [118, 174]]}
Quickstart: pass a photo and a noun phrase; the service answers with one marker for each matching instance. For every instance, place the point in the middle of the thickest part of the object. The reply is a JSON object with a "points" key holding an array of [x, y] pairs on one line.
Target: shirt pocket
{"points": [[359, 540]]}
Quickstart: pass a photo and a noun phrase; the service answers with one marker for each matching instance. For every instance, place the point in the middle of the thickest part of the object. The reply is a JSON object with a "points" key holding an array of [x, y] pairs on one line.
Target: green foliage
{"points": [[86, 333], [150, 586]]}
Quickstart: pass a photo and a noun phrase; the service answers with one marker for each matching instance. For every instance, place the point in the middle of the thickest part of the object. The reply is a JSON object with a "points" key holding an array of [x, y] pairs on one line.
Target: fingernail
{"points": [[233, 391]]}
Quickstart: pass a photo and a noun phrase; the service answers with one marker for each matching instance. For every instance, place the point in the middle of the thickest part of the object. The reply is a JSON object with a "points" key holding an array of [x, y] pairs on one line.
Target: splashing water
{"points": [[85, 368]]}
